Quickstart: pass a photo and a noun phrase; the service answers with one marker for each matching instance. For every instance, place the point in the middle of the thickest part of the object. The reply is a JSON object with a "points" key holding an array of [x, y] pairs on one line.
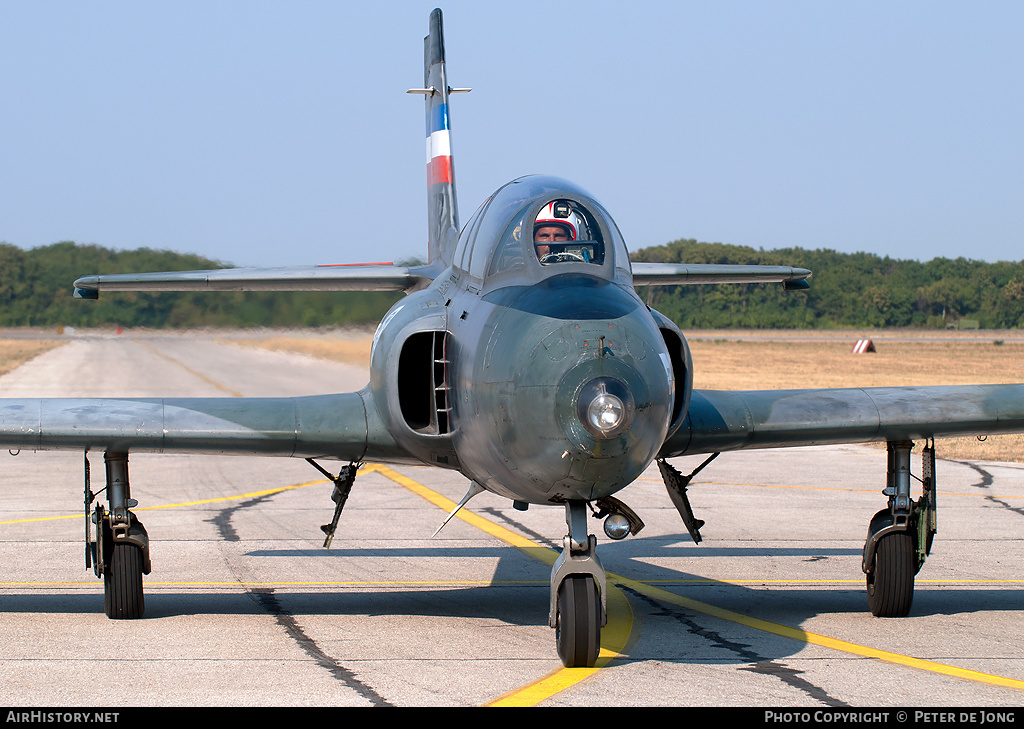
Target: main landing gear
{"points": [[900, 536], [116, 543]]}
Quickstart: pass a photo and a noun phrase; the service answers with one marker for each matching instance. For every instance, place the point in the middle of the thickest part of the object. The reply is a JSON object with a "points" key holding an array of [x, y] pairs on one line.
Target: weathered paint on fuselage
{"points": [[521, 342], [518, 432]]}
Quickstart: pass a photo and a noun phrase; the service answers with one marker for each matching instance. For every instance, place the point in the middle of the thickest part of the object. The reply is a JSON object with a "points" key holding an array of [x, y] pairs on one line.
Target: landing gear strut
{"points": [[578, 593], [900, 536], [677, 483], [342, 488], [120, 551]]}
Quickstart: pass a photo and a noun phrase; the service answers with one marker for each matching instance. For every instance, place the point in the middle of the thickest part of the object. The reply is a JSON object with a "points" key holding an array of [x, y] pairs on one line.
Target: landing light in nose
{"points": [[605, 412], [605, 407]]}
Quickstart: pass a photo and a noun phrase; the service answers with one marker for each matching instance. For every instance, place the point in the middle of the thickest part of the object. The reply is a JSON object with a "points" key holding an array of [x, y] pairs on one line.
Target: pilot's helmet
{"points": [[562, 214]]}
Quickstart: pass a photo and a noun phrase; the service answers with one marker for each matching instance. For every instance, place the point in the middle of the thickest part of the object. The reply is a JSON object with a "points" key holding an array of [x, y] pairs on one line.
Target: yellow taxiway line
{"points": [[617, 635]]}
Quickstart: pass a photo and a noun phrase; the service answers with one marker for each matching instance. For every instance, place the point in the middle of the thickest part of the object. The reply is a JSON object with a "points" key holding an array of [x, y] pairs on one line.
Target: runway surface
{"points": [[244, 606]]}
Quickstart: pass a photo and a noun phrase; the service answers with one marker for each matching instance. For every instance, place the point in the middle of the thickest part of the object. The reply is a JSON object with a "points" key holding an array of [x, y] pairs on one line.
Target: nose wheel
{"points": [[578, 630], [578, 586]]}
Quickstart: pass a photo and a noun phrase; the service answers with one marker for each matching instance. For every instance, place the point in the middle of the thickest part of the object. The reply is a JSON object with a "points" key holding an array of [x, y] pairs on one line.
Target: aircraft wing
{"points": [[733, 420], [355, 277], [667, 274], [343, 426]]}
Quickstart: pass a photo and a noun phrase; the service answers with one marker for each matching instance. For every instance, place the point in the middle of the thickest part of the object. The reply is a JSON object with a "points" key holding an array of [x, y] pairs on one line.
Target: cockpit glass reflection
{"points": [[509, 254]]}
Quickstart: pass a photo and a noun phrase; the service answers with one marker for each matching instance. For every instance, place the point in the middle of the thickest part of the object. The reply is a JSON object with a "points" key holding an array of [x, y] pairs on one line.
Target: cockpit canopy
{"points": [[536, 227]]}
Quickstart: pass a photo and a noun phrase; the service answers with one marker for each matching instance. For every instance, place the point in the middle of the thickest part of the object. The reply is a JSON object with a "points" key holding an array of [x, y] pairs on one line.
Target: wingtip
{"points": [[85, 288]]}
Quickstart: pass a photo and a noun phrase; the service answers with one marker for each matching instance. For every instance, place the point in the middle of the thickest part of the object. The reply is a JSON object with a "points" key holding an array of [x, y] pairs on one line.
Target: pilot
{"points": [[544, 235], [557, 222]]}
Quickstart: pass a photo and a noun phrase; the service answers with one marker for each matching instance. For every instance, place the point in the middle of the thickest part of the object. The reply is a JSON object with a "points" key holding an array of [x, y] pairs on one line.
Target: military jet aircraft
{"points": [[522, 358]]}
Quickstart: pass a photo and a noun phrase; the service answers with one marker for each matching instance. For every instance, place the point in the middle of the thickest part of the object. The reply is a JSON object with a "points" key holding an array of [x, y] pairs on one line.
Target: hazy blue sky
{"points": [[274, 133]]}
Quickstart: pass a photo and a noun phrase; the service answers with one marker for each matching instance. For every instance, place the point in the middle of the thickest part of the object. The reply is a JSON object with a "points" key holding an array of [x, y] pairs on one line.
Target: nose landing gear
{"points": [[578, 593]]}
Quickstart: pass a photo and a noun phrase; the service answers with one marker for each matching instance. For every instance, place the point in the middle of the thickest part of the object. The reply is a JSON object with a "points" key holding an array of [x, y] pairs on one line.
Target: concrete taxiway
{"points": [[244, 606]]}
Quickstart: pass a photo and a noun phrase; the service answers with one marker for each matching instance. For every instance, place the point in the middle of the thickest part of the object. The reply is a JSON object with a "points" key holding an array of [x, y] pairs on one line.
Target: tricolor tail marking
{"points": [[439, 146]]}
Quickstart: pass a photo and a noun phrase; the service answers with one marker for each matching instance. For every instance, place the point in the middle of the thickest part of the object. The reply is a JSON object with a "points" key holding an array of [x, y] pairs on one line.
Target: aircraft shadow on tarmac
{"points": [[518, 595], [790, 606], [668, 633]]}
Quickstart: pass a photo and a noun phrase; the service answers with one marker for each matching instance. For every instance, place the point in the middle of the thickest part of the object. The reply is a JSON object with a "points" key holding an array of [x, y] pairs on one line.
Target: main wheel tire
{"points": [[578, 625], [122, 583], [891, 583]]}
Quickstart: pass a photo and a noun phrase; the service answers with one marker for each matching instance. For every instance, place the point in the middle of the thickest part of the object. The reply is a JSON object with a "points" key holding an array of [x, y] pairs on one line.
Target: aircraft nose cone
{"points": [[610, 407], [613, 418]]}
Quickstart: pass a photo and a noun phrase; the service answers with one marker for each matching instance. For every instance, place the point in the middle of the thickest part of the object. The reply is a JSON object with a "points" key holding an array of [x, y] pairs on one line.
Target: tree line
{"points": [[35, 290], [848, 290]]}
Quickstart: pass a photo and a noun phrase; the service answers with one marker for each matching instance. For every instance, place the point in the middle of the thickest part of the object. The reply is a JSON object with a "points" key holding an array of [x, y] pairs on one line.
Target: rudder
{"points": [[442, 208]]}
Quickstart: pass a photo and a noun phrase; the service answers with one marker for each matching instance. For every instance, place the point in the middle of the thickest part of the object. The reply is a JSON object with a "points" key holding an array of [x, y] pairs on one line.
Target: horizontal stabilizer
{"points": [[668, 274], [357, 277]]}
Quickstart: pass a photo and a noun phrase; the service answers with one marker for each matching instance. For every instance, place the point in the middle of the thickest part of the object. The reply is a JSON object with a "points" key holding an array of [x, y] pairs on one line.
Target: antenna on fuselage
{"points": [[474, 489]]}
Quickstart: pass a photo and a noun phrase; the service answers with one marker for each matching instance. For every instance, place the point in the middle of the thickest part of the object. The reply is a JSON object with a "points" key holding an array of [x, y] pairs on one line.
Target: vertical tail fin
{"points": [[442, 208]]}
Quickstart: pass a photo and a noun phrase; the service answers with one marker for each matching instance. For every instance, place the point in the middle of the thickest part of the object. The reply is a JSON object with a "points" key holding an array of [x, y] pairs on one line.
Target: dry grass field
{"points": [[724, 364], [731, 360], [721, 363], [16, 352], [351, 348]]}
